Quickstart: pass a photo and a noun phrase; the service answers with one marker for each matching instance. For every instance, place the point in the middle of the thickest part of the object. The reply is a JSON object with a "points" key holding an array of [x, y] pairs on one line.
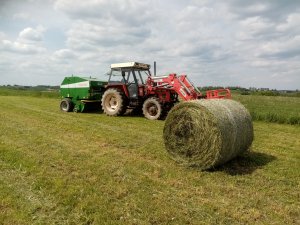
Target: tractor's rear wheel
{"points": [[66, 105], [152, 109], [113, 102]]}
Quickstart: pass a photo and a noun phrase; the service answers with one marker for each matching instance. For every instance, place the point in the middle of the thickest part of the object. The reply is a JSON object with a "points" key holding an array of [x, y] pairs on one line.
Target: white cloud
{"points": [[64, 53], [289, 47], [256, 25], [19, 47], [83, 34], [28, 42], [291, 24], [275, 10], [122, 11], [31, 35]]}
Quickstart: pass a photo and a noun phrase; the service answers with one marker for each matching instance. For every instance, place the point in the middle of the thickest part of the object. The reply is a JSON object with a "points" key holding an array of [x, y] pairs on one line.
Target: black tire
{"points": [[113, 102], [152, 109], [66, 105]]}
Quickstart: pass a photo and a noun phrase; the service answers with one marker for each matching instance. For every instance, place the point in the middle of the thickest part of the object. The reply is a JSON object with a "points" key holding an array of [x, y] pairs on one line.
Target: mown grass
{"points": [[276, 109], [67, 168]]}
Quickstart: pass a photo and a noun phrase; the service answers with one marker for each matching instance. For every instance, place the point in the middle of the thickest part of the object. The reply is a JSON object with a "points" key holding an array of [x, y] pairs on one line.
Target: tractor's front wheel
{"points": [[66, 105], [113, 102], [152, 109]]}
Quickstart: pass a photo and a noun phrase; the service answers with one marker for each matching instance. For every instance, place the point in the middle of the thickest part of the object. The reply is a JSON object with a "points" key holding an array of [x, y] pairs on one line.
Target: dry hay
{"points": [[207, 133]]}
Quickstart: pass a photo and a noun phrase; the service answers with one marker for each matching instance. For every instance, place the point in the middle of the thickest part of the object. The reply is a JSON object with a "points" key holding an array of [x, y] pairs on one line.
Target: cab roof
{"points": [[135, 65]]}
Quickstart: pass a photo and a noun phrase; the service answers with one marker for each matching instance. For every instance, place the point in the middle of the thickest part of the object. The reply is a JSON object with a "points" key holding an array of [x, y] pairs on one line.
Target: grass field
{"points": [[277, 109], [67, 168], [4, 91]]}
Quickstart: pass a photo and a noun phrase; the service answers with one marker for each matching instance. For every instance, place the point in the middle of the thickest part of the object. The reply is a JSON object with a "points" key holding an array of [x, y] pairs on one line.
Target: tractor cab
{"points": [[126, 88], [130, 78]]}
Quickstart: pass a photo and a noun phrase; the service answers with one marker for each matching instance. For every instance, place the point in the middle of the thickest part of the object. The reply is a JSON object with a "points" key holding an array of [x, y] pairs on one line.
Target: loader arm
{"points": [[185, 88]]}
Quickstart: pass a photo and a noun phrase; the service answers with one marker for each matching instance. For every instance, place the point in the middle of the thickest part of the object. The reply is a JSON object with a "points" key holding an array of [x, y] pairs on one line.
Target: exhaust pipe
{"points": [[154, 68]]}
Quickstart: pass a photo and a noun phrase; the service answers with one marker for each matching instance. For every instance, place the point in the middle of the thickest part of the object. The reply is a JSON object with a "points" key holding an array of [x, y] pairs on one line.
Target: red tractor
{"points": [[131, 86]]}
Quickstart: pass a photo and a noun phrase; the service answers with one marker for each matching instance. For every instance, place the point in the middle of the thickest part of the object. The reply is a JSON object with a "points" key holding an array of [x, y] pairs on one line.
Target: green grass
{"points": [[276, 109], [4, 91], [67, 168]]}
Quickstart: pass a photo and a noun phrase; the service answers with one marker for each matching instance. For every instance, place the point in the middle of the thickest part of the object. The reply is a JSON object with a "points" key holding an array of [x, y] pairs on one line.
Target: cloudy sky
{"points": [[246, 43]]}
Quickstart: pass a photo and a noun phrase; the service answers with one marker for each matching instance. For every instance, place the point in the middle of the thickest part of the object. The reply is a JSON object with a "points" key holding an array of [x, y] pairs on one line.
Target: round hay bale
{"points": [[207, 133]]}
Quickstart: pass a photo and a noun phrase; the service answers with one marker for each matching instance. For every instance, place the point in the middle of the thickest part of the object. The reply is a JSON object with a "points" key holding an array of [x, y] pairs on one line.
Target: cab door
{"points": [[132, 84]]}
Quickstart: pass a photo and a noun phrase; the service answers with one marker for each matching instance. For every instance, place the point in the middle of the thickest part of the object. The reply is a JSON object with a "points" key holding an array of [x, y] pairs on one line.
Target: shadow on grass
{"points": [[246, 163]]}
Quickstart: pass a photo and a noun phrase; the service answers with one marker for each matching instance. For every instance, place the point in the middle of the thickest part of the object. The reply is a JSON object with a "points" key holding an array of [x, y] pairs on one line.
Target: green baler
{"points": [[80, 93]]}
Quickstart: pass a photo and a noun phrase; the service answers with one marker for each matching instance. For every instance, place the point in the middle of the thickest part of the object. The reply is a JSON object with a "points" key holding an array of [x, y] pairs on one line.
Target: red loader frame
{"points": [[165, 86]]}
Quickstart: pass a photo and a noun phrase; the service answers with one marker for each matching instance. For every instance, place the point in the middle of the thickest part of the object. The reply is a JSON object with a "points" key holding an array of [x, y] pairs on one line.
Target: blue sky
{"points": [[244, 43]]}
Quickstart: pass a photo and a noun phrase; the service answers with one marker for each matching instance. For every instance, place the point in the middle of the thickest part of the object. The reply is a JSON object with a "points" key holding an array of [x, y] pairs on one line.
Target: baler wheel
{"points": [[152, 109], [66, 105], [113, 102]]}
